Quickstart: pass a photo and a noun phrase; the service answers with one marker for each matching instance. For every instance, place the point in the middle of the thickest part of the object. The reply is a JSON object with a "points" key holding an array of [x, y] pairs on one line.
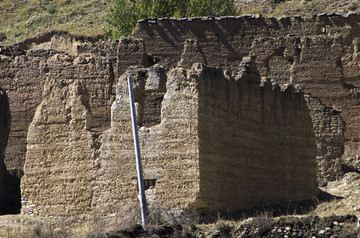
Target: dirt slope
{"points": [[20, 19]]}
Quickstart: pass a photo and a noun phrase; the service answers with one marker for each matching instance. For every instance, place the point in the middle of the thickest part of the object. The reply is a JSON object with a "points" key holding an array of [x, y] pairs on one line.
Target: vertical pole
{"points": [[137, 153]]}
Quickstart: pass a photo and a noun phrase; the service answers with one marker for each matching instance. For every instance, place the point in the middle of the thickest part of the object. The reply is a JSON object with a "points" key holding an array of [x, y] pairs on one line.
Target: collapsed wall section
{"points": [[257, 144]]}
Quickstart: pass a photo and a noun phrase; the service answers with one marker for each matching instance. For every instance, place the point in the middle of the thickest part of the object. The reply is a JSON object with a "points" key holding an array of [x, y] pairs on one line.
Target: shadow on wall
{"points": [[257, 144], [9, 184]]}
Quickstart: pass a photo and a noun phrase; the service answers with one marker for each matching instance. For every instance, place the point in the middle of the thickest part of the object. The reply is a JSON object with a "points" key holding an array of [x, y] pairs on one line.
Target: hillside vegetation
{"points": [[20, 19]]}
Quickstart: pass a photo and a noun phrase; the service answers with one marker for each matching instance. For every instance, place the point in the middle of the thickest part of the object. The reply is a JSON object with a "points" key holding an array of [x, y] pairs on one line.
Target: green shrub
{"points": [[124, 14], [51, 10]]}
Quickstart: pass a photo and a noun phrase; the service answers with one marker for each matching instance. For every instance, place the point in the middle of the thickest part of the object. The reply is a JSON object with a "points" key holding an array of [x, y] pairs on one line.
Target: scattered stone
{"points": [[214, 233]]}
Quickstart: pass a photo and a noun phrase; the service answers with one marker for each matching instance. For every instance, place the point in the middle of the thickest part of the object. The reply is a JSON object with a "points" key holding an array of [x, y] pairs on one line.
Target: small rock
{"points": [[214, 233], [321, 232]]}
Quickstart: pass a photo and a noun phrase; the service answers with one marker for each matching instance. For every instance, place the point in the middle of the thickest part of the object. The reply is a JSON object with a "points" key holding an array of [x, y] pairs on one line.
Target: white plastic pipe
{"points": [[137, 154]]}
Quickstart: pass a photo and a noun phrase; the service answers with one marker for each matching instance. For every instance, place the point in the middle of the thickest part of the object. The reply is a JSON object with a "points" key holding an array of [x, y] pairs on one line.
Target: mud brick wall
{"points": [[320, 53], [72, 170], [23, 74], [60, 152], [257, 144], [216, 132], [169, 149], [329, 129]]}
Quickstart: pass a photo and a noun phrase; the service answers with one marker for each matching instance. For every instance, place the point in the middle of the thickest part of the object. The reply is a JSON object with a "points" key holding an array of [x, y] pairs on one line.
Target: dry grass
{"points": [[298, 7], [349, 188], [20, 19]]}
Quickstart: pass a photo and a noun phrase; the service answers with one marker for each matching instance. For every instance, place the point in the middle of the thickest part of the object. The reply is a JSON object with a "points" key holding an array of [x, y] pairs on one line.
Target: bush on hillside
{"points": [[124, 14]]}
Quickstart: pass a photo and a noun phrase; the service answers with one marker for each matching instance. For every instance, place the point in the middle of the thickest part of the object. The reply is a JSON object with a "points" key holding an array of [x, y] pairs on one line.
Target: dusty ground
{"points": [[336, 218], [348, 189]]}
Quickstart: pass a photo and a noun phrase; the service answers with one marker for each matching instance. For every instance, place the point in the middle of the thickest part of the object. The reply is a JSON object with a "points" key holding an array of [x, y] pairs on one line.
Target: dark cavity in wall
{"points": [[152, 108], [149, 94], [9, 184]]}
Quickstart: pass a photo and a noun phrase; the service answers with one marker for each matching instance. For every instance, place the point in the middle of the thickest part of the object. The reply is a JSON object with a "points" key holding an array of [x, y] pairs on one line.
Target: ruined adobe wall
{"points": [[329, 129], [257, 144], [224, 41], [71, 170], [213, 132], [320, 53], [23, 74]]}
